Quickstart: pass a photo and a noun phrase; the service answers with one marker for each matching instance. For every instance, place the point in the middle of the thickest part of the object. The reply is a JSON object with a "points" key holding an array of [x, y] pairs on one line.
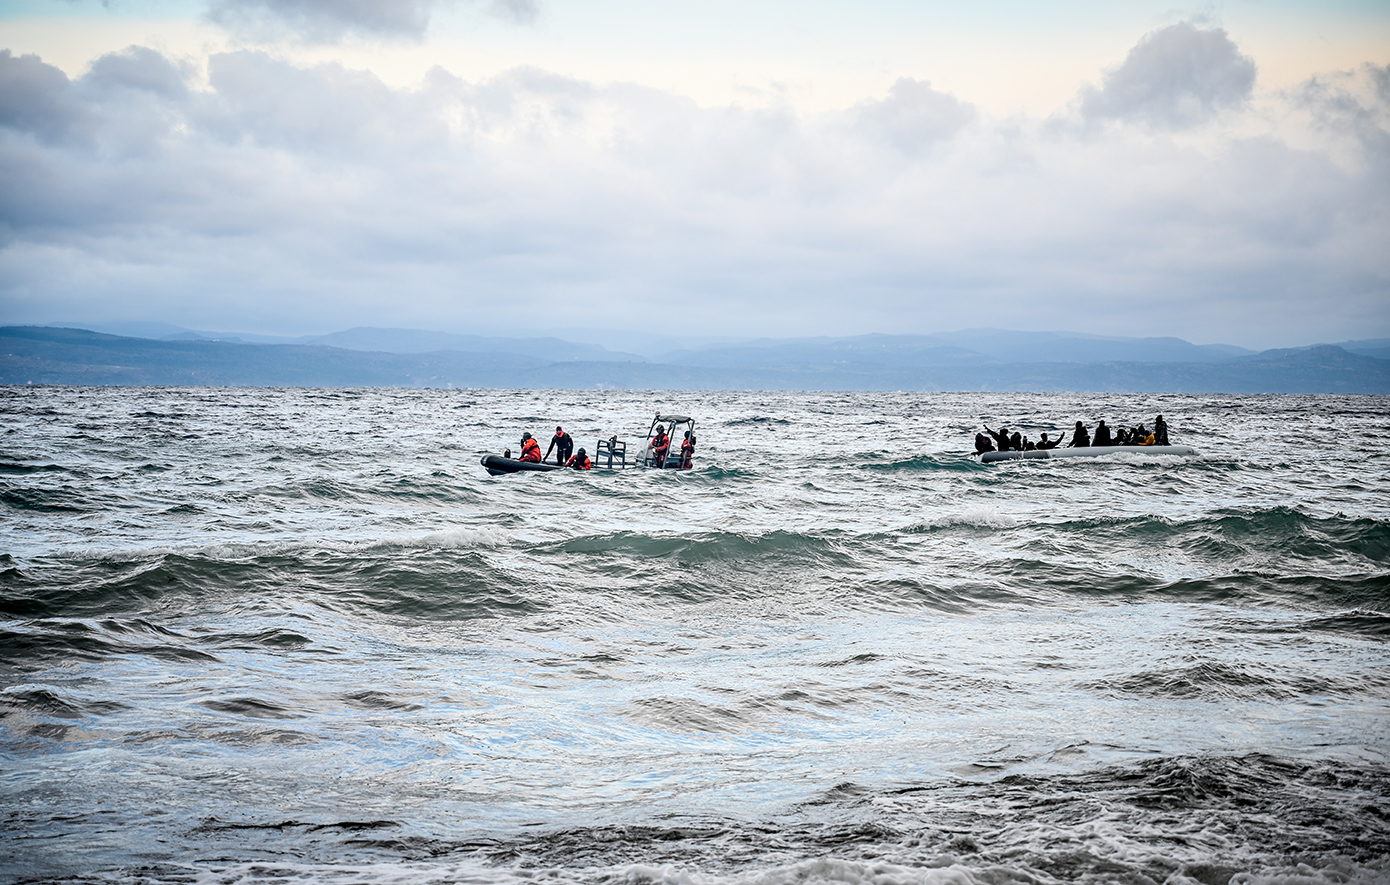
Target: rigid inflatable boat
{"points": [[1086, 452], [499, 466]]}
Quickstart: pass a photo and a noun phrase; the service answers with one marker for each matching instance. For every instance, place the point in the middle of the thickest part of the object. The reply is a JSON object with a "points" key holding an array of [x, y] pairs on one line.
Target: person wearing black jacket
{"points": [[1080, 439], [1102, 437]]}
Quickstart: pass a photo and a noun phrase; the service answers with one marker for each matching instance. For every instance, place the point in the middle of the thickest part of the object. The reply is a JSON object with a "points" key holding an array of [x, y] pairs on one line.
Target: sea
{"points": [[299, 636]]}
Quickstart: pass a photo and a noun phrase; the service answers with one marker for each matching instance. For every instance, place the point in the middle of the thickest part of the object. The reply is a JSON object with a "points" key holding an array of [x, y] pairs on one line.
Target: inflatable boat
{"points": [[1086, 452], [497, 465]]}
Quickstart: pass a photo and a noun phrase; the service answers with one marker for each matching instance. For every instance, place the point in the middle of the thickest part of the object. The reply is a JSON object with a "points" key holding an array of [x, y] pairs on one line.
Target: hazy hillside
{"points": [[43, 355]]}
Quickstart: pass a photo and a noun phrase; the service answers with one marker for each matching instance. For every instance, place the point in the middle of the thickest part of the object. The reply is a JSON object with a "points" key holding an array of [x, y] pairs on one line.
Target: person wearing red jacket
{"points": [[687, 450], [580, 461], [530, 449], [661, 444]]}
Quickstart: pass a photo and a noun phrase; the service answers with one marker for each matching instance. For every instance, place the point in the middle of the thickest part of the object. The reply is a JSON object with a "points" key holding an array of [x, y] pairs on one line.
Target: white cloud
{"points": [[302, 198], [1175, 77]]}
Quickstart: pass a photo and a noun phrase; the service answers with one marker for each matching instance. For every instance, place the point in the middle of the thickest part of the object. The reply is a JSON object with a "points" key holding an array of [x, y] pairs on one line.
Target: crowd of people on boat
{"points": [[562, 444], [1002, 440]]}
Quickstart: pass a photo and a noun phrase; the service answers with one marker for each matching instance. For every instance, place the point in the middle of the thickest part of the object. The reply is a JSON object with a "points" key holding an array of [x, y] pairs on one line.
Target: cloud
{"points": [[325, 20], [914, 115], [289, 197], [36, 98], [329, 21], [1175, 77]]}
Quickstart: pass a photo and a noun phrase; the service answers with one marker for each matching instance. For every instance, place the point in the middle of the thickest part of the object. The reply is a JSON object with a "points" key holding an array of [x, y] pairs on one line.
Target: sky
{"points": [[1219, 173]]}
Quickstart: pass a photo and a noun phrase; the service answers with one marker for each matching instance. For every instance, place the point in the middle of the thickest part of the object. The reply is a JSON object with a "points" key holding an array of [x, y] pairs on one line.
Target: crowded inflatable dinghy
{"points": [[1095, 452]]}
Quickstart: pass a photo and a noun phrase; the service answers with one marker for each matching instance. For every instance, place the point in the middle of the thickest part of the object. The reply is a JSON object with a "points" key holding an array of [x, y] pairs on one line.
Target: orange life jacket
{"points": [[530, 450], [577, 464]]}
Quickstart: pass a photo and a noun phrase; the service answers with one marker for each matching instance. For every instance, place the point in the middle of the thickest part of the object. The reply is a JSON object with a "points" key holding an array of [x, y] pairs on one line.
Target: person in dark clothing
{"points": [[1080, 439], [1001, 437], [1102, 436], [1122, 437], [563, 444], [1016, 441], [1160, 431], [1028, 445], [1045, 443], [982, 444]]}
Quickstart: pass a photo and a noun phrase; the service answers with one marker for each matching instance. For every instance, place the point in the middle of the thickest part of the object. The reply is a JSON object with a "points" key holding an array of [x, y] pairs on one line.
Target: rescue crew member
{"points": [[563, 444], [530, 449], [661, 444], [580, 461], [687, 450]]}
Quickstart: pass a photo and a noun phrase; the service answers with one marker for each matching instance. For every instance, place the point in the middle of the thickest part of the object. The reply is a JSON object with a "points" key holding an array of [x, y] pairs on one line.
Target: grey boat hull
{"points": [[1086, 452]]}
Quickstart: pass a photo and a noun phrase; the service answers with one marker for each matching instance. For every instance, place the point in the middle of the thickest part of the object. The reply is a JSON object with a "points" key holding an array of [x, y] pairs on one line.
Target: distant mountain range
{"points": [[972, 360]]}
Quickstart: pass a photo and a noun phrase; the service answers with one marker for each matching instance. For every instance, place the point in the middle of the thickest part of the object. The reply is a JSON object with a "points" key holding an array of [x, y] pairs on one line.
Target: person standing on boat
{"points": [[661, 444], [687, 450], [1080, 439], [530, 449], [563, 444], [1160, 431], [1102, 436], [580, 461]]}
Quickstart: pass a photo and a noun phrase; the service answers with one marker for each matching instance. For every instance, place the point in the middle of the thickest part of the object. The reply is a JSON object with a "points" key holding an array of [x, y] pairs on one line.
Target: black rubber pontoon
{"points": [[500, 466]]}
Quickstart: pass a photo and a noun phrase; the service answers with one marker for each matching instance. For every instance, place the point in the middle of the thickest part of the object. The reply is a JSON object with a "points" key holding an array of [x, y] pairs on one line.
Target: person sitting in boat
{"points": [[1102, 436], [1001, 438], [1160, 431], [1016, 442], [563, 444], [1080, 439], [580, 461], [687, 450], [530, 449], [661, 444], [1027, 445], [1143, 436], [1122, 437], [982, 444], [1045, 443]]}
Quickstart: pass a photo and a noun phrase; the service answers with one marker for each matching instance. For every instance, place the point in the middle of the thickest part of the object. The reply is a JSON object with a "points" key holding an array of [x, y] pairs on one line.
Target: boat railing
{"points": [[609, 450]]}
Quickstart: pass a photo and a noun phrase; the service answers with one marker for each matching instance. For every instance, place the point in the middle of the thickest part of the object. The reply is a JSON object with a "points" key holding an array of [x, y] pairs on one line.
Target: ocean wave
{"points": [[962, 462]]}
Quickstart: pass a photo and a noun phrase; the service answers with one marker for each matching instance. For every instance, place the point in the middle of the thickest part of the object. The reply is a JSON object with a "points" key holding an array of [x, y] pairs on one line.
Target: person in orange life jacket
{"points": [[563, 443], [661, 443], [687, 450], [580, 461], [530, 449]]}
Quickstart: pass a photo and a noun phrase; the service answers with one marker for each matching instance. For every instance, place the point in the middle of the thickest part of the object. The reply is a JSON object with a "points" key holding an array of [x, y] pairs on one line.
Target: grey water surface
{"points": [[299, 635]]}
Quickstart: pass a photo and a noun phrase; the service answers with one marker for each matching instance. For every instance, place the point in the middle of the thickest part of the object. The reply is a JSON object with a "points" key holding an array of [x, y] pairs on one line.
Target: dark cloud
{"points": [[325, 20], [914, 115], [1175, 77], [38, 98], [138, 68]]}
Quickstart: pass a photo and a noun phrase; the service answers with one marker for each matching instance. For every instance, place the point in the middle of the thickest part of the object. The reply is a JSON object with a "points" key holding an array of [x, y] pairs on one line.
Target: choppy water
{"points": [[257, 636]]}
